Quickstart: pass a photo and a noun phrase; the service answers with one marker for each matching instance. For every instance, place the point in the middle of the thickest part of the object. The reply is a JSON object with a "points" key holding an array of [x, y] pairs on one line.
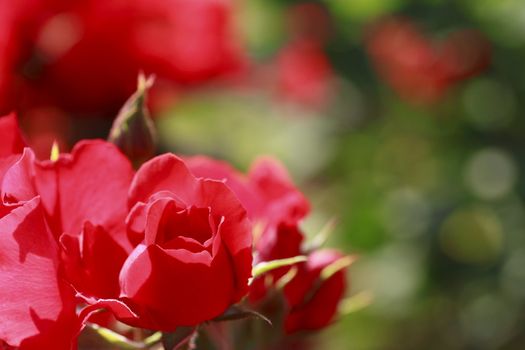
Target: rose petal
{"points": [[280, 242], [213, 169], [18, 182], [279, 195], [117, 307], [91, 184], [37, 309], [174, 291], [93, 261], [166, 172]]}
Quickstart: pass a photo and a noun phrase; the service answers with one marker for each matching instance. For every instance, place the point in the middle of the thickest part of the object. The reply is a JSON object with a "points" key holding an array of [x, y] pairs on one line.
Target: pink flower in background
{"points": [[422, 70], [304, 74]]}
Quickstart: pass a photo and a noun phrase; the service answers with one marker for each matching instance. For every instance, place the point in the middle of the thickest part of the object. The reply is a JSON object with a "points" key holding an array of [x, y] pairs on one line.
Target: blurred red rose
{"points": [[422, 70], [304, 74], [84, 56]]}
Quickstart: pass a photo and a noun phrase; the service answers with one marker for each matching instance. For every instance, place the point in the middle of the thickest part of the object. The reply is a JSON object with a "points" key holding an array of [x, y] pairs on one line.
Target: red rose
{"points": [[267, 192], [280, 241], [192, 255], [189, 256], [312, 299], [194, 258]]}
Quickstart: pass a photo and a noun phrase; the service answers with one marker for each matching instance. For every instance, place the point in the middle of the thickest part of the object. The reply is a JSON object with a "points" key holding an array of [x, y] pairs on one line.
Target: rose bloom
{"points": [[278, 207], [159, 249], [189, 258]]}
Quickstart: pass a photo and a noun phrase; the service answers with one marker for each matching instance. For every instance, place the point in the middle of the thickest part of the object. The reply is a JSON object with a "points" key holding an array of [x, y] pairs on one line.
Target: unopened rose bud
{"points": [[133, 130]]}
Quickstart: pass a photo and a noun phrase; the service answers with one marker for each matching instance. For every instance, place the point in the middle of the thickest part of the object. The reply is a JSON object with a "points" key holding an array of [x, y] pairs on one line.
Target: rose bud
{"points": [[314, 293], [133, 130], [312, 289]]}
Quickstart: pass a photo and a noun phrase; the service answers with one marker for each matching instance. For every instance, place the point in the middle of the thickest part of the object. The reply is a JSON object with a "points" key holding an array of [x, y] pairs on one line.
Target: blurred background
{"points": [[402, 119]]}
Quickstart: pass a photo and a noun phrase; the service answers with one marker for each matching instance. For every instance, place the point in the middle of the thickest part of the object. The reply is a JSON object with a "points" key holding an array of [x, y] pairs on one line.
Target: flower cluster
{"points": [[87, 241]]}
